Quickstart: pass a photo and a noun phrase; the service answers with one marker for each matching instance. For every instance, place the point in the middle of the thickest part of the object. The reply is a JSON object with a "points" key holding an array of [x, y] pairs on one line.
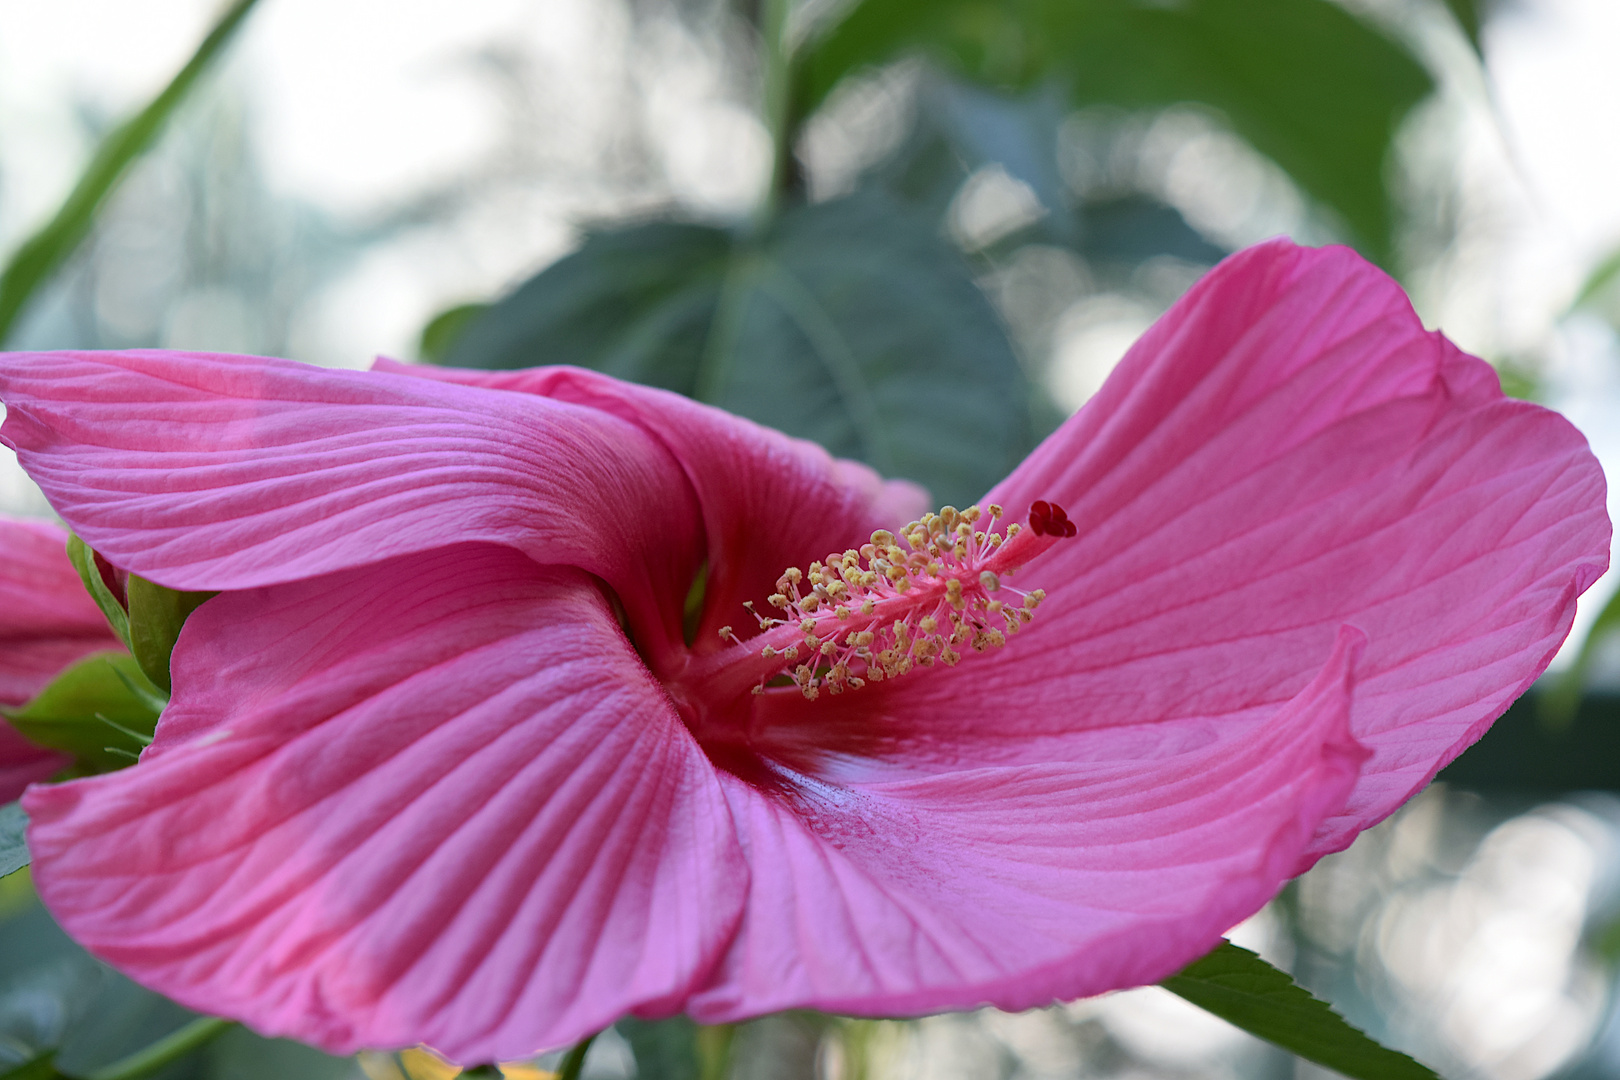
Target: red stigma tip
{"points": [[1049, 519]]}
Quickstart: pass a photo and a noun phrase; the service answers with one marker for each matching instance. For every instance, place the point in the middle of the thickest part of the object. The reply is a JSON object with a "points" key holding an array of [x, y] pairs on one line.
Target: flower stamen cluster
{"points": [[908, 600]]}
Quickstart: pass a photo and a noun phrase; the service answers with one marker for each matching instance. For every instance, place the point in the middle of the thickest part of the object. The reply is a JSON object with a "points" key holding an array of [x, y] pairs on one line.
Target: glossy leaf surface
{"points": [[1244, 990], [1308, 84], [851, 323]]}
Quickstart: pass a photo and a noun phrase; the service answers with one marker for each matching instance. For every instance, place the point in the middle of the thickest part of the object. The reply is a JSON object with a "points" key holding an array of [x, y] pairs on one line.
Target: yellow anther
{"points": [[996, 511], [882, 538], [790, 653], [928, 624], [936, 568], [828, 648], [864, 638], [951, 657], [778, 600], [806, 625], [841, 611], [867, 606], [973, 514], [794, 575], [812, 642], [994, 607], [767, 652], [953, 593]]}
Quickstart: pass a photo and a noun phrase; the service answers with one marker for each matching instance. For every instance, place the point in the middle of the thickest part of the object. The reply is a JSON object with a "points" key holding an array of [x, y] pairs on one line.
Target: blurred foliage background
{"points": [[919, 232]]}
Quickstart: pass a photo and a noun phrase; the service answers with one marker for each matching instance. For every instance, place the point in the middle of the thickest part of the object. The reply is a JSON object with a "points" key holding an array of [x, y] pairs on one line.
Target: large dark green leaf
{"points": [[1524, 754], [1242, 989], [42, 1067], [13, 839], [42, 253], [849, 322], [1304, 81]]}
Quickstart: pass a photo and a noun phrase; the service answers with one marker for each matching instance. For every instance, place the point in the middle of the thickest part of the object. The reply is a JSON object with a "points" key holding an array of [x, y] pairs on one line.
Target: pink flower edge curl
{"points": [[441, 766]]}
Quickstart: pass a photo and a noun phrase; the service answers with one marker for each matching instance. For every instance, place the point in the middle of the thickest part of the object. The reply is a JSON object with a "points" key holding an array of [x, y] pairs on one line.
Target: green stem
{"points": [[169, 1049], [33, 263], [574, 1063]]}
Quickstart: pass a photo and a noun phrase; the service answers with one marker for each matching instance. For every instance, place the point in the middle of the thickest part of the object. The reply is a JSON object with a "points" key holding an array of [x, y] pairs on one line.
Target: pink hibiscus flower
{"points": [[442, 764], [47, 622]]}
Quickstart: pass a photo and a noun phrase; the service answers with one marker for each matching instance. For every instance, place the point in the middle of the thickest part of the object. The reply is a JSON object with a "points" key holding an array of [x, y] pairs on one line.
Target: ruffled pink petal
{"points": [[1285, 452], [1017, 885], [438, 799], [769, 501], [226, 472]]}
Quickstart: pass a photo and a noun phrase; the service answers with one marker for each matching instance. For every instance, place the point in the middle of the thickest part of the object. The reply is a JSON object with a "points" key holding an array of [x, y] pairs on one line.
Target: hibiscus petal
{"points": [[769, 501], [1288, 450], [225, 472], [1018, 885], [438, 800]]}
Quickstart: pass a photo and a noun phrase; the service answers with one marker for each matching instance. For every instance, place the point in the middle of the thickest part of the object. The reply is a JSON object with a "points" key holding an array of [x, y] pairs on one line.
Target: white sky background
{"points": [[360, 106]]}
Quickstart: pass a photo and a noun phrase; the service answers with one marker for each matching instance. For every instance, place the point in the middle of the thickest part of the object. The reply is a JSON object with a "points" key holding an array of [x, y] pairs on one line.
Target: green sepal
{"points": [[84, 561], [1242, 989], [13, 839], [102, 710], [156, 615]]}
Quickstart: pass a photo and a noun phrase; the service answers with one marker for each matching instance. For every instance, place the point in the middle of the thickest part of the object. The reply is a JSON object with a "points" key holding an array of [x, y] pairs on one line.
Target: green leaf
{"points": [[1309, 85], [42, 1067], [84, 561], [156, 615], [664, 1049], [1470, 15], [13, 839], [1242, 989], [442, 330], [101, 710], [1598, 281], [33, 263], [1560, 700], [1522, 754], [849, 322]]}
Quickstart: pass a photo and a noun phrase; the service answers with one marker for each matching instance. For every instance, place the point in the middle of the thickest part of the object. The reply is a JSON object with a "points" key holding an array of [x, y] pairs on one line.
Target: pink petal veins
{"points": [[226, 472], [768, 501], [1285, 451], [1018, 885], [459, 812]]}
